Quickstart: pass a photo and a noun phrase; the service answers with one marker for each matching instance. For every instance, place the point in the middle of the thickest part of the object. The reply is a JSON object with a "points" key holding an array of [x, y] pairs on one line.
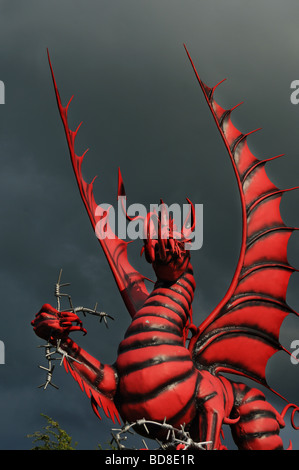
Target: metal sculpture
{"points": [[159, 374]]}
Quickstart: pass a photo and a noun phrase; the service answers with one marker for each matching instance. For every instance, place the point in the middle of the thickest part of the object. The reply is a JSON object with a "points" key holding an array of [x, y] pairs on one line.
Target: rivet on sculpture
{"points": [[161, 374]]}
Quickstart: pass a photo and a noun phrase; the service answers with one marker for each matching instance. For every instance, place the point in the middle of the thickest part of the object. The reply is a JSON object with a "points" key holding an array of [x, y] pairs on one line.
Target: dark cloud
{"points": [[143, 111]]}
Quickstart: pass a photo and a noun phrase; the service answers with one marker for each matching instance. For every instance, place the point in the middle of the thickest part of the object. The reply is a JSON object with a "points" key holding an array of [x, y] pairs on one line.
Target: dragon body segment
{"points": [[153, 355], [157, 375]]}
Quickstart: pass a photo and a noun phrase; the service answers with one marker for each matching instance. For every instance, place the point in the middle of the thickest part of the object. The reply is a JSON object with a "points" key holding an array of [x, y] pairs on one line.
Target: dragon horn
{"points": [[186, 231], [161, 242], [121, 194], [164, 216], [148, 228]]}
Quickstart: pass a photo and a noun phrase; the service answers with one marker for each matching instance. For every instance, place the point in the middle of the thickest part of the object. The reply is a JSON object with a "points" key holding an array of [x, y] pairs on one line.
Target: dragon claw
{"points": [[50, 324], [55, 325]]}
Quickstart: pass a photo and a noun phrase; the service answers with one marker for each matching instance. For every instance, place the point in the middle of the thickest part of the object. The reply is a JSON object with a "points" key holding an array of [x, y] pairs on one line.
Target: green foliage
{"points": [[53, 437]]}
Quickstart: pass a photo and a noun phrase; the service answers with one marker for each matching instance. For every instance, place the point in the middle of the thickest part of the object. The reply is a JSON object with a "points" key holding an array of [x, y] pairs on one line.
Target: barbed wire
{"points": [[52, 349], [174, 438]]}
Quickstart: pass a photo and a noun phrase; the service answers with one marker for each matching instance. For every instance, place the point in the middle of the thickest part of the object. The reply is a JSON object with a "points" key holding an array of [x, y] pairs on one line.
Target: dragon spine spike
{"points": [[258, 163], [243, 137], [236, 106], [216, 86], [263, 197]]}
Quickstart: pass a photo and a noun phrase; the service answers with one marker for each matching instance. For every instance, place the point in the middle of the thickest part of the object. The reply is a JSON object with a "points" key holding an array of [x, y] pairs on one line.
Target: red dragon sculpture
{"points": [[159, 375]]}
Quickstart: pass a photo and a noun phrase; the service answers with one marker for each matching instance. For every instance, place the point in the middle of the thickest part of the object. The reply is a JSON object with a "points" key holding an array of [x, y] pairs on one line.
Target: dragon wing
{"points": [[98, 400], [242, 332], [130, 282]]}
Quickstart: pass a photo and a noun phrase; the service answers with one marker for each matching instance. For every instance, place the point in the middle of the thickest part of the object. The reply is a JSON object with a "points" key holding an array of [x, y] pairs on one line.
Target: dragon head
{"points": [[164, 245]]}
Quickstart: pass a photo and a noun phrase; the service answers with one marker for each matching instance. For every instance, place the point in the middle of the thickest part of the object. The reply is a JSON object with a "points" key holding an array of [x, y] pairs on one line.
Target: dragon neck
{"points": [[170, 303]]}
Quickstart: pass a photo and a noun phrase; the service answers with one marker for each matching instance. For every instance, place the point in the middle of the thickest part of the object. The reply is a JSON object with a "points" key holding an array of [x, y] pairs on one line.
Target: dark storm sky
{"points": [[142, 110]]}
